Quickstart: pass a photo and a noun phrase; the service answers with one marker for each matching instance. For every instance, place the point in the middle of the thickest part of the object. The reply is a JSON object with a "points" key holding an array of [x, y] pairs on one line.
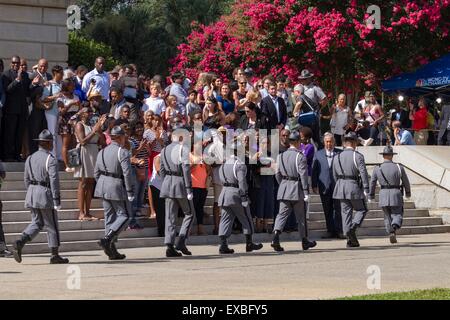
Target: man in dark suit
{"points": [[323, 183], [37, 121], [444, 126], [274, 108], [16, 84]]}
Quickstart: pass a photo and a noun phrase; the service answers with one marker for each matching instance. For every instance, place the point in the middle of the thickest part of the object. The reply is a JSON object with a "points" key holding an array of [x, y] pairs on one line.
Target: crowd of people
{"points": [[80, 107]]}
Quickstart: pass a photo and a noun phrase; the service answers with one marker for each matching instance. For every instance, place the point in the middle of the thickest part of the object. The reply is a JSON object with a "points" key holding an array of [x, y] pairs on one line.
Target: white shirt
{"points": [[330, 155], [157, 105], [101, 83]]}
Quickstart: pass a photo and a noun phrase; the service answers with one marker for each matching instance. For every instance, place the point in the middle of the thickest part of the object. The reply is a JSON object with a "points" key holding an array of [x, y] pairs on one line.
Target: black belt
{"points": [[176, 174], [113, 175], [343, 177], [40, 183], [391, 187], [291, 178], [234, 185]]}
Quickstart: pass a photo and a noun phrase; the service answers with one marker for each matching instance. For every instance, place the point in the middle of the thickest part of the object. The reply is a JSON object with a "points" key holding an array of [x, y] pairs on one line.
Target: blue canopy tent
{"points": [[430, 79]]}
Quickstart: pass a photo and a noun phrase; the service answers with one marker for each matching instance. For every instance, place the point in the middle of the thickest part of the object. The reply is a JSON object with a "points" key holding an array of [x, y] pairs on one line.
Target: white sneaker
{"points": [[69, 170]]}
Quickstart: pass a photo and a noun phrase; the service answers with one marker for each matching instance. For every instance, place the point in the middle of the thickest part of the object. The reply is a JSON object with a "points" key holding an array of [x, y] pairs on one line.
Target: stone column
{"points": [[34, 29]]}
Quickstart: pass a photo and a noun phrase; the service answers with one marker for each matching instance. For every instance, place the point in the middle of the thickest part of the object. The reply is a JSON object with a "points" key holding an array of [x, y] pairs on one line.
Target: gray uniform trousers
{"points": [[47, 218], [392, 215], [347, 208], [116, 216], [172, 207], [227, 220], [286, 207]]}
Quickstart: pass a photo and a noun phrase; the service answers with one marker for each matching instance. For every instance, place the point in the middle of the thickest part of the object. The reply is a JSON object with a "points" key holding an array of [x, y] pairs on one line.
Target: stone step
{"points": [[19, 176], [71, 230], [313, 216], [237, 240], [84, 235], [316, 221], [16, 205], [20, 185]]}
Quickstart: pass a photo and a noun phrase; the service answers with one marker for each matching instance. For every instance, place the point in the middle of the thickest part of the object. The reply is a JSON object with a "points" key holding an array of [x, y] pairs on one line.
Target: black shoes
{"points": [[171, 252], [115, 254], [352, 240], [6, 254], [18, 246], [181, 246], [393, 238], [105, 243], [58, 260], [224, 249], [277, 247], [306, 244], [249, 247]]}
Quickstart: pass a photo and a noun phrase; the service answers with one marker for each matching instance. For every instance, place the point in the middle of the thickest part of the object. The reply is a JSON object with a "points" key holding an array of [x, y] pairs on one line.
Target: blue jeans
{"points": [[140, 187]]}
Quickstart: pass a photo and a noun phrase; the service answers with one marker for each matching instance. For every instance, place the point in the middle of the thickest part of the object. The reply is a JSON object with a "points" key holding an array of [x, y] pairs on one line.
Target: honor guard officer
{"points": [[292, 176], [114, 186], [352, 187], [43, 198], [234, 202], [177, 189], [392, 178]]}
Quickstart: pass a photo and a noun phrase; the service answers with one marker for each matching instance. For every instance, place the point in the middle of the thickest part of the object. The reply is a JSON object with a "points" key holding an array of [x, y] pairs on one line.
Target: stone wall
{"points": [[33, 29]]}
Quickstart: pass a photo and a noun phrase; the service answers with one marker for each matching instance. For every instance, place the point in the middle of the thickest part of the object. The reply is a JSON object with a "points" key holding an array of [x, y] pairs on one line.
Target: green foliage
{"points": [[146, 32], [432, 294], [83, 51]]}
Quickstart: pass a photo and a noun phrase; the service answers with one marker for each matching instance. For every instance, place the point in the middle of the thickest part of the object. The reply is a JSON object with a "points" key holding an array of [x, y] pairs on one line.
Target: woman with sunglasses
{"points": [[240, 94]]}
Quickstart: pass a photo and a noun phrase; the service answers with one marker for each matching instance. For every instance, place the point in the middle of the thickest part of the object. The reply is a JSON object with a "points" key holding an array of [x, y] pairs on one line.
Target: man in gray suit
{"points": [[392, 178], [444, 127], [234, 201], [352, 187], [43, 198], [177, 190], [115, 187], [292, 176]]}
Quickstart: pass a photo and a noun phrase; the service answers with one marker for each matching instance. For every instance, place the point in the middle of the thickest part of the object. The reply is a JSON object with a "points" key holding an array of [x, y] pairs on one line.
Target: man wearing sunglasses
{"points": [[16, 83]]}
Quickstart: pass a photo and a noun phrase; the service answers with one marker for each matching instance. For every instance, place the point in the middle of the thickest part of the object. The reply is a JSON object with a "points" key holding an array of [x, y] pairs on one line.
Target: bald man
{"points": [[37, 122]]}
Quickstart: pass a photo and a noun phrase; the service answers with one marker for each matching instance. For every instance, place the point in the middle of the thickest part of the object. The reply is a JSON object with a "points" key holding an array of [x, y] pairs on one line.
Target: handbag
{"points": [[307, 118], [74, 157]]}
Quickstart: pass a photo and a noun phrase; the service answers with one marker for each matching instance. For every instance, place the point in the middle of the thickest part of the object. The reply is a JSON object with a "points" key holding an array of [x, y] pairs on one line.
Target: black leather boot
{"points": [[276, 242], [306, 244], [18, 246], [105, 243], [171, 252], [352, 241], [250, 245], [224, 249], [181, 246], [116, 255], [56, 258]]}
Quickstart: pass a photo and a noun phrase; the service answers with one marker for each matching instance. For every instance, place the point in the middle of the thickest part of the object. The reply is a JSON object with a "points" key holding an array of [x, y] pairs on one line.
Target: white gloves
{"points": [[306, 198], [366, 194], [57, 208], [190, 196], [245, 204], [131, 198]]}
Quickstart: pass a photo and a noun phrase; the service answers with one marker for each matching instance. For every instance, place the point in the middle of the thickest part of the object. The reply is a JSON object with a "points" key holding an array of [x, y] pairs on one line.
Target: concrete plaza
{"points": [[328, 271]]}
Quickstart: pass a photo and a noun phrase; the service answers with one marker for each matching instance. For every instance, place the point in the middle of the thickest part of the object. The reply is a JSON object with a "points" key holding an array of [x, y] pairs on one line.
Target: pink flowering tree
{"points": [[330, 38]]}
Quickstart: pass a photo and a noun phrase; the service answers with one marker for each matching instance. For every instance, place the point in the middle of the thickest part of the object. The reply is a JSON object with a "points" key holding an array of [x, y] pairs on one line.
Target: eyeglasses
{"points": [[15, 62], [242, 82]]}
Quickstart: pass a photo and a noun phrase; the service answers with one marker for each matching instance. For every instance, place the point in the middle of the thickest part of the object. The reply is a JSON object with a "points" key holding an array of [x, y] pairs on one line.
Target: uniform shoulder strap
{"points": [[118, 153], [31, 170], [234, 169], [340, 164], [384, 177], [282, 163], [46, 162], [296, 163], [103, 160]]}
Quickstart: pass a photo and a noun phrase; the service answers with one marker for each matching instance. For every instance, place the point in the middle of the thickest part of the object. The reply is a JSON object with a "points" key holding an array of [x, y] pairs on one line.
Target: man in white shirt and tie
{"points": [[274, 108], [323, 183]]}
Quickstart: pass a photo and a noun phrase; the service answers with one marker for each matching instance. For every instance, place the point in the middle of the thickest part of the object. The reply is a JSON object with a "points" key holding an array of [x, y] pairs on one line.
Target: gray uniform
{"points": [[176, 172], [391, 177], [233, 176], [348, 167], [292, 176], [114, 185], [42, 183]]}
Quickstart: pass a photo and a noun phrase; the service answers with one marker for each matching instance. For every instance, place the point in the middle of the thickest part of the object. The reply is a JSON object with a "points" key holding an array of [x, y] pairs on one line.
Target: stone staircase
{"points": [[83, 235]]}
